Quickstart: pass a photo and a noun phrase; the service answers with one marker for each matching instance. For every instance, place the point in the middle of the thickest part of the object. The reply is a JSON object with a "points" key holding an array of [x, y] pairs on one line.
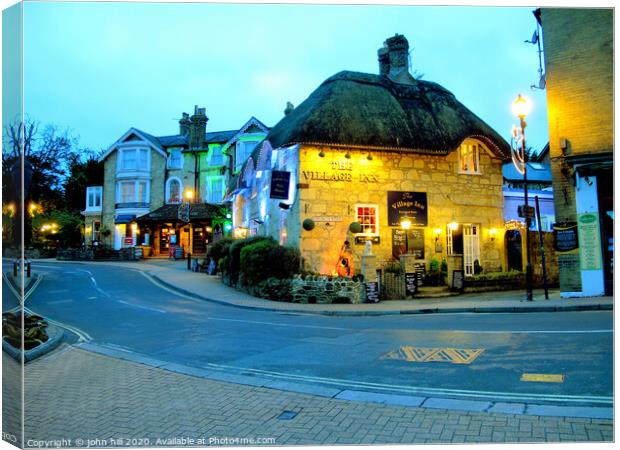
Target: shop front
{"points": [[177, 229]]}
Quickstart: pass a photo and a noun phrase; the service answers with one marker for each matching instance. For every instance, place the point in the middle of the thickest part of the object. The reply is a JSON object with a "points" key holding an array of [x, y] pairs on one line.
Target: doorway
{"points": [[514, 250]]}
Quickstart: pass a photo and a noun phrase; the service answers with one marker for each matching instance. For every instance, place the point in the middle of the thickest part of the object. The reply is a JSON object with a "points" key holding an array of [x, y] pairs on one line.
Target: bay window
{"points": [[132, 193], [133, 159]]}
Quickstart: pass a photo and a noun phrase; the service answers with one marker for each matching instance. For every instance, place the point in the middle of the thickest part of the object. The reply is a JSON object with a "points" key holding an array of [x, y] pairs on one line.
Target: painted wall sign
{"points": [[280, 183], [412, 205], [327, 219], [361, 240], [339, 171], [589, 241], [565, 236], [128, 241]]}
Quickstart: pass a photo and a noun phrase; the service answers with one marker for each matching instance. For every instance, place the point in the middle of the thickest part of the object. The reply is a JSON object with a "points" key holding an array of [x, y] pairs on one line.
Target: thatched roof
{"points": [[372, 111]]}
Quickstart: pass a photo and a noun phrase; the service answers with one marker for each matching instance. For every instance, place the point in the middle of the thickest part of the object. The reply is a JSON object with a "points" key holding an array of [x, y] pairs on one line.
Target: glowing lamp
{"points": [[405, 224], [189, 195], [521, 107], [492, 233], [453, 226]]}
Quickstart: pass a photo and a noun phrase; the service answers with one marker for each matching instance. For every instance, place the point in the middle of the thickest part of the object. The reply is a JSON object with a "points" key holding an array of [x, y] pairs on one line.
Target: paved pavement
{"points": [[73, 396], [174, 274]]}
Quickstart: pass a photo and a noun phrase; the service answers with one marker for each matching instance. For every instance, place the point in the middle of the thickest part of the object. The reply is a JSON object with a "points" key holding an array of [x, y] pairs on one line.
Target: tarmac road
{"points": [[456, 355]]}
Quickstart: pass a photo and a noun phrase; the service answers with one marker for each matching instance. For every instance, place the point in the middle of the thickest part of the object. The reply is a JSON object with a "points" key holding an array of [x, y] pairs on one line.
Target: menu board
{"points": [[565, 234], [590, 240], [420, 270], [411, 284], [372, 291], [458, 278], [413, 240]]}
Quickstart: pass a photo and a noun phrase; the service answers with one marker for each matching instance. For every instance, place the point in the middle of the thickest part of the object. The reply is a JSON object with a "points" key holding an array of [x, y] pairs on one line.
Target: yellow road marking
{"points": [[543, 377], [450, 355]]}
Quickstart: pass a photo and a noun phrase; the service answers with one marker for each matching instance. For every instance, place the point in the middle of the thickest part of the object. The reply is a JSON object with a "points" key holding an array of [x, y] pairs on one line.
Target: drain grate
{"points": [[287, 415]]}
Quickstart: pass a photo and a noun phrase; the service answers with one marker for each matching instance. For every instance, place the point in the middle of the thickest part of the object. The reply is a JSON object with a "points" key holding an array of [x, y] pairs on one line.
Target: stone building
{"points": [[578, 49], [363, 156], [147, 179]]}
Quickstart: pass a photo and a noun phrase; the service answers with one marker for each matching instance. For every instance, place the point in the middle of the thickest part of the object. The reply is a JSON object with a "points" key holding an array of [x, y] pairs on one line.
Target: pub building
{"points": [[385, 158]]}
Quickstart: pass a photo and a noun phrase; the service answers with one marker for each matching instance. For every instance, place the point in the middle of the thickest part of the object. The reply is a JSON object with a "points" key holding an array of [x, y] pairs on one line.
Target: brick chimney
{"points": [[394, 59], [197, 128], [184, 124]]}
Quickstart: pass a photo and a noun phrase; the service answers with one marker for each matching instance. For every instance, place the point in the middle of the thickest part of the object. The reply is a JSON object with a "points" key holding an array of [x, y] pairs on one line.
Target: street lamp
{"points": [[189, 195], [405, 224], [521, 108]]}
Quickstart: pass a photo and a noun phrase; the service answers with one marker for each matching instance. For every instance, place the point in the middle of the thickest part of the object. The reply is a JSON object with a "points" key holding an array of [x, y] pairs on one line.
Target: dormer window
{"points": [[469, 158], [243, 151], [175, 159]]}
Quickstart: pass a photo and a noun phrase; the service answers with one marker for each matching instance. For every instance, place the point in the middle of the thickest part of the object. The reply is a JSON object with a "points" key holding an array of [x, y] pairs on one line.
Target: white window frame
{"points": [[138, 151], [212, 181], [471, 247], [241, 150], [171, 161], [377, 222], [168, 182], [475, 147], [97, 191], [135, 191], [214, 149]]}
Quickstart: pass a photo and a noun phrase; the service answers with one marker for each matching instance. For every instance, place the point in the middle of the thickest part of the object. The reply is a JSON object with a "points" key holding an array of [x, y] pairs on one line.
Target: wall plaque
{"points": [[412, 205], [590, 241]]}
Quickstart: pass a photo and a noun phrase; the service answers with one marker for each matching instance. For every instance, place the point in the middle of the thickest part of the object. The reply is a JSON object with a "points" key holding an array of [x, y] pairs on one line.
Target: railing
{"points": [[131, 205]]}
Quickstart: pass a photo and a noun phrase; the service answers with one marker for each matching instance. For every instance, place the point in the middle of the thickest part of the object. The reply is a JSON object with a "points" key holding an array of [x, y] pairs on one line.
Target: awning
{"points": [[197, 212], [124, 218]]}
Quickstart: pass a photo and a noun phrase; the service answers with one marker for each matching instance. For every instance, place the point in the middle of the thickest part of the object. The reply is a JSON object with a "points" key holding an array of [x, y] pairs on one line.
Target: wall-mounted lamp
{"points": [[321, 154], [437, 233], [453, 225], [347, 155], [492, 233], [369, 157]]}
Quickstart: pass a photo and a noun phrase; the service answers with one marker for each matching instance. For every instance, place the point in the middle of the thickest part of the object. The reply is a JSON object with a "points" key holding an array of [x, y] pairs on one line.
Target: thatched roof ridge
{"points": [[371, 111]]}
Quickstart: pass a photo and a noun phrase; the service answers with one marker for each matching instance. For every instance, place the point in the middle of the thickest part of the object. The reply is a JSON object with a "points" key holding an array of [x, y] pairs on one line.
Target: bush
{"points": [[393, 267], [266, 259], [234, 256], [219, 249]]}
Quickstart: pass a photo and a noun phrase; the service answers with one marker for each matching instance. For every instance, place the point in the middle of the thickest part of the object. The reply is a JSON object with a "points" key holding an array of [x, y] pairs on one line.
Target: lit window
{"points": [[93, 197], [175, 160], [133, 191], [216, 191], [174, 190], [367, 216], [469, 158]]}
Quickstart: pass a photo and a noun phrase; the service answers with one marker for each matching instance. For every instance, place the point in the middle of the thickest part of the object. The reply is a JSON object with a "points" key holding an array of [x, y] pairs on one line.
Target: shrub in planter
{"points": [[433, 277], [267, 259]]}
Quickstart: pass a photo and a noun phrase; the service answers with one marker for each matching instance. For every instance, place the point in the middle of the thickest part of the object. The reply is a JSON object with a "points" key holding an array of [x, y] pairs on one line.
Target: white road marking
{"points": [[82, 335], [416, 390], [148, 308], [280, 324], [526, 331]]}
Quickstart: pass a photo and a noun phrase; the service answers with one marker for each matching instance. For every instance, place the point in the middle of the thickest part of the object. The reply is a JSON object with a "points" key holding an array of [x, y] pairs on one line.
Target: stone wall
{"points": [[323, 289], [466, 198]]}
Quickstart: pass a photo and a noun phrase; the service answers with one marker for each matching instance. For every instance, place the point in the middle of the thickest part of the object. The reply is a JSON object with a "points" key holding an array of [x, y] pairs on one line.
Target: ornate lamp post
{"points": [[521, 107]]}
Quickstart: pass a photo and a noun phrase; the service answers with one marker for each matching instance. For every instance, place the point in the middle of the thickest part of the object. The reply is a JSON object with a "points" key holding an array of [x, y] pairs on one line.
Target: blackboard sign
{"points": [[138, 252], [411, 284], [458, 277], [280, 182], [414, 239], [565, 236], [420, 270], [372, 291], [412, 205], [178, 252]]}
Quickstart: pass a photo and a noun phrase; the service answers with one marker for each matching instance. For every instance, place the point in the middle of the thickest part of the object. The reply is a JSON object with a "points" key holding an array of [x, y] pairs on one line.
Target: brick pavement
{"points": [[75, 394]]}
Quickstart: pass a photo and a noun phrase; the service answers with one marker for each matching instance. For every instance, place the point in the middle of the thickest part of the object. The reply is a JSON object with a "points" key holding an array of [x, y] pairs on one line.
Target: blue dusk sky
{"points": [[101, 68]]}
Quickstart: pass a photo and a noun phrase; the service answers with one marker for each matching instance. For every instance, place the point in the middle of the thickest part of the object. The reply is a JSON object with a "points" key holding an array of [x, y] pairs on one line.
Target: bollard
{"points": [[189, 261], [28, 270]]}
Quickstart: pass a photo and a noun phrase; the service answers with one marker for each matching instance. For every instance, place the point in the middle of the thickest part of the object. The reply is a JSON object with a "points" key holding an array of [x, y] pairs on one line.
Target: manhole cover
{"points": [[287, 415]]}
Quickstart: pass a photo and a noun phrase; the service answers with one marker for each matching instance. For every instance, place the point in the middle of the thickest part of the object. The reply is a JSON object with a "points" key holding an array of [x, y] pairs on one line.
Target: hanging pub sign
{"points": [[410, 205], [183, 212], [565, 236], [280, 183]]}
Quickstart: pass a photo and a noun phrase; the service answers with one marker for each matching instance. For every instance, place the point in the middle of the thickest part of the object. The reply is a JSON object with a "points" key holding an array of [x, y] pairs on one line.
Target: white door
{"points": [[119, 235], [471, 247]]}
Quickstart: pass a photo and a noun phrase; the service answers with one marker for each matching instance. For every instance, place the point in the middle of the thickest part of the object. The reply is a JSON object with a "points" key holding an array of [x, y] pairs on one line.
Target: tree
{"points": [[84, 169]]}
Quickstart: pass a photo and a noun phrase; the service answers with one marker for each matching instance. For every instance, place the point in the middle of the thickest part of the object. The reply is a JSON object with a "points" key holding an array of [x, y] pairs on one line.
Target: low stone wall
{"points": [[124, 254], [323, 289]]}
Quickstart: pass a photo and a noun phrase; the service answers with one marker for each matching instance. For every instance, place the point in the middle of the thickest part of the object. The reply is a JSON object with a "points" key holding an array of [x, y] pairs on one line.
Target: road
{"points": [[123, 308]]}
